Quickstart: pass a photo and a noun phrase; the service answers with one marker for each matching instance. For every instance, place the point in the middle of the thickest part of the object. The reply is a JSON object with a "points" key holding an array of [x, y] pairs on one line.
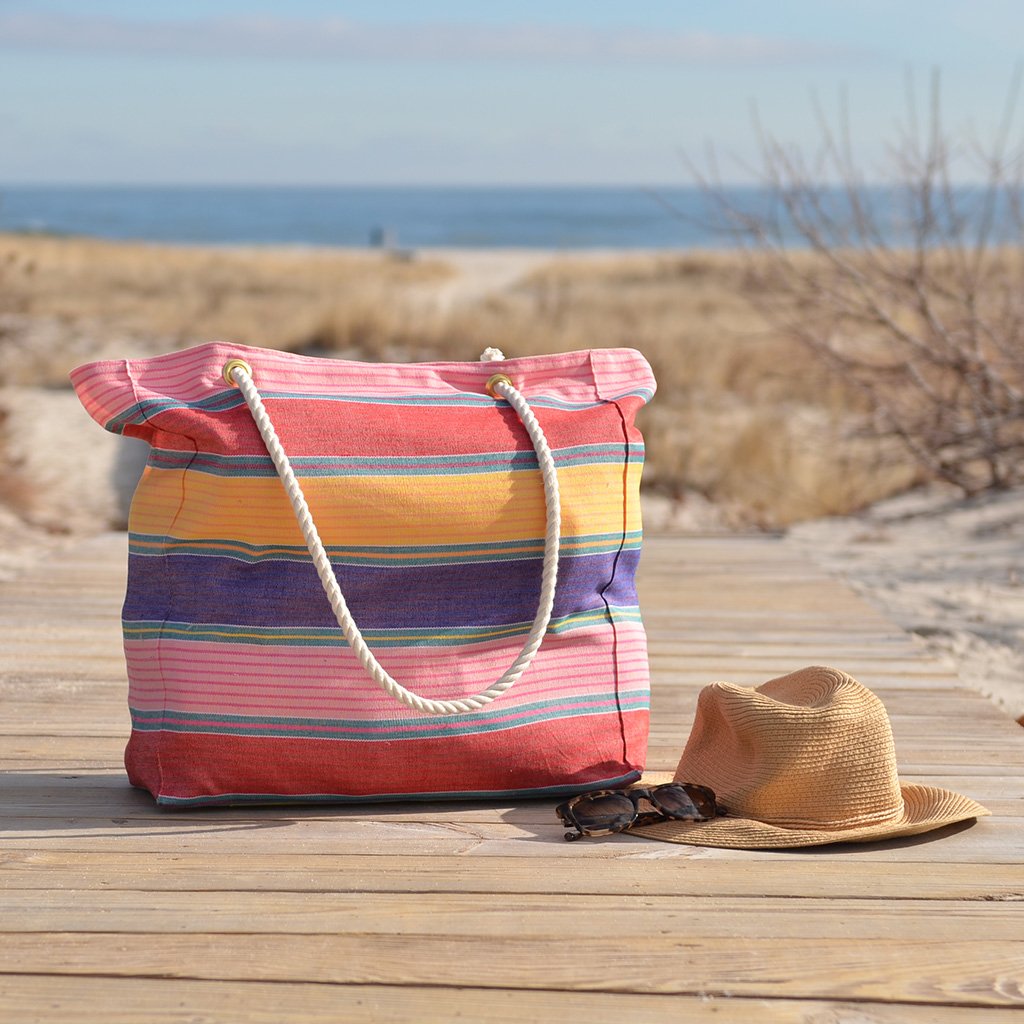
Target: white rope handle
{"points": [[239, 373]]}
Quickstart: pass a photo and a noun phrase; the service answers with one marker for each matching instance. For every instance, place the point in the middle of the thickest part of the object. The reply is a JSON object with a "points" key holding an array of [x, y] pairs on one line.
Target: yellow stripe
{"points": [[386, 510], [598, 616], [219, 547]]}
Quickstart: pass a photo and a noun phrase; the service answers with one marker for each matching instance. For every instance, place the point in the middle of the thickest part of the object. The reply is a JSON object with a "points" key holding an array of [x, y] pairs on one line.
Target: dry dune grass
{"points": [[168, 296], [742, 415]]}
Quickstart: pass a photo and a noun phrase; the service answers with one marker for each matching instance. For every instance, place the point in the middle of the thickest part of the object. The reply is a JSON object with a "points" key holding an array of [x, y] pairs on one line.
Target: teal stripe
{"points": [[140, 412], [328, 636], [157, 546], [541, 792], [226, 400], [395, 465], [471, 723]]}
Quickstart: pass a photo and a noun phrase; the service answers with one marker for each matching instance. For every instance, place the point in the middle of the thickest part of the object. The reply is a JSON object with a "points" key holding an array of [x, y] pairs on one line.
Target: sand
{"points": [[948, 569]]}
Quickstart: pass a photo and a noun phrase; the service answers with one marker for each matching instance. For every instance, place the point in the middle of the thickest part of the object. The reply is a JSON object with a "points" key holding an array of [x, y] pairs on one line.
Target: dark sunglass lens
{"points": [[684, 801], [603, 810], [704, 800]]}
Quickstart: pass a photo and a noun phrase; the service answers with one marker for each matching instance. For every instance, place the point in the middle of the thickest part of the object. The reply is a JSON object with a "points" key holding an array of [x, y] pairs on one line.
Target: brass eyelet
{"points": [[234, 364], [498, 378]]}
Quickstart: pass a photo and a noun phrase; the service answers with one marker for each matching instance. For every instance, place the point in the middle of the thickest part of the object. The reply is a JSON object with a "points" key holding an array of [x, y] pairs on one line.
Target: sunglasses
{"points": [[606, 811]]}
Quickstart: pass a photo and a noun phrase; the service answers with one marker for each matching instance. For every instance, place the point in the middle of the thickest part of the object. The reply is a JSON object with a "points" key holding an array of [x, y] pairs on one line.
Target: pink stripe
{"points": [[180, 368], [103, 388], [155, 700], [541, 678], [427, 671], [196, 373], [236, 655], [252, 678], [340, 371], [351, 676], [380, 706], [545, 686]]}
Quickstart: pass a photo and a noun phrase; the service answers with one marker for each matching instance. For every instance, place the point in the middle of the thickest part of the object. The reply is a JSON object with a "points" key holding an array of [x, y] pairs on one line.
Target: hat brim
{"points": [[924, 808]]}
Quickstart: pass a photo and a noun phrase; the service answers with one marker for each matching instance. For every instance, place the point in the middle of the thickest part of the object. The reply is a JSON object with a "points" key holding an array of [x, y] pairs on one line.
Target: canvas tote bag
{"points": [[365, 581]]}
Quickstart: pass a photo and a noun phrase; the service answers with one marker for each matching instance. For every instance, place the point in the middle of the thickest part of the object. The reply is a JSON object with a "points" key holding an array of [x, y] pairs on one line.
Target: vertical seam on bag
{"points": [[611, 580], [596, 358]]}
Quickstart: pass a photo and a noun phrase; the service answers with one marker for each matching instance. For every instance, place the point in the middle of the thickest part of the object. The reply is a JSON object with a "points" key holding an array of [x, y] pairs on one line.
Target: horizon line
{"points": [[497, 186]]}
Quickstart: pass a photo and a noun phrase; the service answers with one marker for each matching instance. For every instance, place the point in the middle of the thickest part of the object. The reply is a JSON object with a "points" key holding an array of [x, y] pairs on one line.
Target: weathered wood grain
{"points": [[173, 1001], [685, 873], [966, 972], [112, 910], [436, 916]]}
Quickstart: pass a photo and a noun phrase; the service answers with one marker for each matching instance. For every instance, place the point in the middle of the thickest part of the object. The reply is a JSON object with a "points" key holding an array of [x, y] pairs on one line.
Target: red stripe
{"points": [[310, 428], [571, 751]]}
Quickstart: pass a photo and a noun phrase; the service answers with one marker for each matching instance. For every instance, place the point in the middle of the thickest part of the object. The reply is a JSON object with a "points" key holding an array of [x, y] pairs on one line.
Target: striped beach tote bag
{"points": [[366, 581]]}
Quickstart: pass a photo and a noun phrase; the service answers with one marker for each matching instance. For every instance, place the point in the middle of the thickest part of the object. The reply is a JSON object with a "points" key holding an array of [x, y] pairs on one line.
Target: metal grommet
{"points": [[234, 364], [498, 378]]}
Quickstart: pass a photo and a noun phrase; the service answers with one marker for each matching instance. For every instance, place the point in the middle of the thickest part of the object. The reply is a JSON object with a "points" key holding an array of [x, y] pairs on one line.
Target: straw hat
{"points": [[803, 760]]}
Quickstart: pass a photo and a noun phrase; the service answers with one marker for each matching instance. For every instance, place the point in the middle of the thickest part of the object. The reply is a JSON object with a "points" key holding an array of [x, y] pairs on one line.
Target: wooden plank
{"points": [[991, 840], [436, 916], [789, 875], [965, 972], [137, 810], [392, 909], [105, 751], [48, 999], [91, 796]]}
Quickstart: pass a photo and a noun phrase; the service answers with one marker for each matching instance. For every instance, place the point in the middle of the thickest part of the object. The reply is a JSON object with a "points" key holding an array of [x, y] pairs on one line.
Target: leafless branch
{"points": [[923, 318]]}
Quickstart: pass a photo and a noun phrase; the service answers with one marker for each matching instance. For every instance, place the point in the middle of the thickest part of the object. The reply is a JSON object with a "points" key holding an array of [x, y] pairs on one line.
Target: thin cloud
{"points": [[341, 39]]}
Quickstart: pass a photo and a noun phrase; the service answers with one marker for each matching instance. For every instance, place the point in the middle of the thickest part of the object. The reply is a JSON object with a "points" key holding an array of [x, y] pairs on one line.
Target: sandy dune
{"points": [[948, 569]]}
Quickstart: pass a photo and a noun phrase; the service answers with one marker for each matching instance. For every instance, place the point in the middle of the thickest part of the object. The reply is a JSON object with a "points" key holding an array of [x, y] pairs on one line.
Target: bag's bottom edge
{"points": [[277, 799]]}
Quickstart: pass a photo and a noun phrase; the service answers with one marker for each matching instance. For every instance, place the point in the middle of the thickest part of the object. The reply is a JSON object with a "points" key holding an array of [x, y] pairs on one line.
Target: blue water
{"points": [[549, 218], [532, 217]]}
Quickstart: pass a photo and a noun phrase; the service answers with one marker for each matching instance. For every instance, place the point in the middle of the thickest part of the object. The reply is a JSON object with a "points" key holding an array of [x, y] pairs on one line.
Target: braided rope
{"points": [[324, 570]]}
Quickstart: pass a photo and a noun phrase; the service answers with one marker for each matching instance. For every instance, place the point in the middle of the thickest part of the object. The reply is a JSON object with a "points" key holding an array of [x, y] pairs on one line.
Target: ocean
{"points": [[546, 218], [667, 217]]}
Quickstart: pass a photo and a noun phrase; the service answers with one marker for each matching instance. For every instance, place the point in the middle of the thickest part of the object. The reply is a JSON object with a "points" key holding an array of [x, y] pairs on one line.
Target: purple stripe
{"points": [[211, 590]]}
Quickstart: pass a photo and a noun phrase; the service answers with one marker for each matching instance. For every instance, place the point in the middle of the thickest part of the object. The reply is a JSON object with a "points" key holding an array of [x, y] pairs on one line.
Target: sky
{"points": [[454, 92]]}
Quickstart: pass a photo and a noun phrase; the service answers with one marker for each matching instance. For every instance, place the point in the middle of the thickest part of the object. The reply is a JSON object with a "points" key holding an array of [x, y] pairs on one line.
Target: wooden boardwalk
{"points": [[115, 912]]}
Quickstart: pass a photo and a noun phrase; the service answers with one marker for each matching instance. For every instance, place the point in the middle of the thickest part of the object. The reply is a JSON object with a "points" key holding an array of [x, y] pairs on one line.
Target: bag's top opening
{"points": [[118, 392]]}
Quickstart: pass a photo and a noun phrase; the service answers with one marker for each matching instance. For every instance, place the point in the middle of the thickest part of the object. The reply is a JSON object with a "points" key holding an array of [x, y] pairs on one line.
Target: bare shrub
{"points": [[912, 294]]}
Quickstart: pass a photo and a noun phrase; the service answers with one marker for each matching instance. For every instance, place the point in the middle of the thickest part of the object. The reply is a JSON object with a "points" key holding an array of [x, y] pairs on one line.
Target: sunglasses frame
{"points": [[635, 795]]}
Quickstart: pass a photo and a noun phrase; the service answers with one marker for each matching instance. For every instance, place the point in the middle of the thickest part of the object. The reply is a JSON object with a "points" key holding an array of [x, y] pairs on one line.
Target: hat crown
{"points": [[811, 749]]}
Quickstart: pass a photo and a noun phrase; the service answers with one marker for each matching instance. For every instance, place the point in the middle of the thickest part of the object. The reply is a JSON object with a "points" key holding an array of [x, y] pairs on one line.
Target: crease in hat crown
{"points": [[813, 749]]}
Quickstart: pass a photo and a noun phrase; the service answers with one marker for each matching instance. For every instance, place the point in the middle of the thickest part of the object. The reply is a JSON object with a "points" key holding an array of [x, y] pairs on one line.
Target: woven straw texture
{"points": [[804, 760]]}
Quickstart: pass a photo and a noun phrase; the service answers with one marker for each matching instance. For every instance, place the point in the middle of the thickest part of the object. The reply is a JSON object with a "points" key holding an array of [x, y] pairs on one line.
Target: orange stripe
{"points": [[397, 511]]}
